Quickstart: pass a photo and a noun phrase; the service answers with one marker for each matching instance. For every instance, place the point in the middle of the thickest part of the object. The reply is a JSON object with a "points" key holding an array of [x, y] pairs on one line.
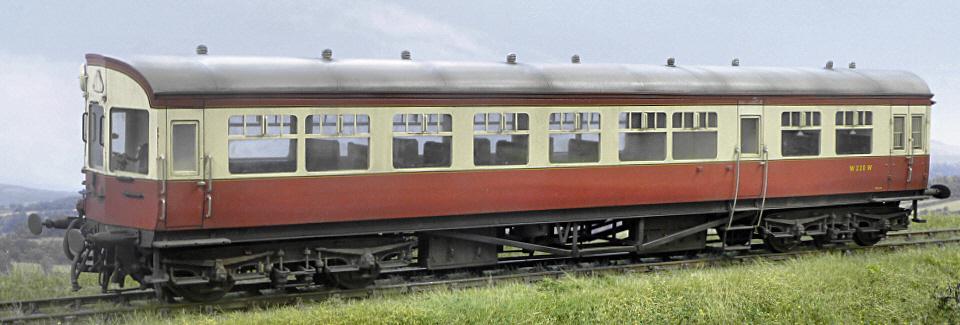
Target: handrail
{"points": [[736, 194], [909, 159], [162, 169], [763, 191], [208, 165]]}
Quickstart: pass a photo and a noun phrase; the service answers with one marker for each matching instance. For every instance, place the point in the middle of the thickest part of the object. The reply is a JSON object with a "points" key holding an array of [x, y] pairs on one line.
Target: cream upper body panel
{"points": [[118, 90]]}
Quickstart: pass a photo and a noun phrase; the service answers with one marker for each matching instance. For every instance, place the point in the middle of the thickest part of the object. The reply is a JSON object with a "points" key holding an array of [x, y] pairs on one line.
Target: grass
{"points": [[878, 287], [899, 287], [28, 281], [937, 222]]}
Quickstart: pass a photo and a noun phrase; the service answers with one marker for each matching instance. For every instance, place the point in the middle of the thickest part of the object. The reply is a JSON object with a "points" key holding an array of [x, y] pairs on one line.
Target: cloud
{"points": [[40, 132], [397, 23], [370, 27]]}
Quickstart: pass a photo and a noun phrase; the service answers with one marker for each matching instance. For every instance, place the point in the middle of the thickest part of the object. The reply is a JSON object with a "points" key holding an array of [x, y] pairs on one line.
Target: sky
{"points": [[42, 44]]}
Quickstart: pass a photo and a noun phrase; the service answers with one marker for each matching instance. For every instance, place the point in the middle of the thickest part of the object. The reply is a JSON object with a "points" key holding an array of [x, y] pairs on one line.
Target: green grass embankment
{"points": [[896, 287], [875, 287]]}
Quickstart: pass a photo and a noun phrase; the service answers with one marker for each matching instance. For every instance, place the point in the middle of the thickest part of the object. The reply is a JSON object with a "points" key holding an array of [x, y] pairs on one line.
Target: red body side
{"points": [[300, 200]]}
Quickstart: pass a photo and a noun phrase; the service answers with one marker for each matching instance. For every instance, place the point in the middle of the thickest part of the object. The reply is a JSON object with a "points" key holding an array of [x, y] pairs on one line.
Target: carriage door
{"points": [[897, 172], [184, 169], [750, 142], [907, 139]]}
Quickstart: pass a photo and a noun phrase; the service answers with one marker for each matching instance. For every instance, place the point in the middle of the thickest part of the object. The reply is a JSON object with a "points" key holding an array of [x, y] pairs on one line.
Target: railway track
{"points": [[112, 304]]}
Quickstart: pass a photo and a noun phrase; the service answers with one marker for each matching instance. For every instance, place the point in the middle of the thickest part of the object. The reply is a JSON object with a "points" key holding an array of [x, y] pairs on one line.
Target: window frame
{"points": [[501, 130], [109, 143], [95, 127], [264, 126], [759, 139], [697, 119], [853, 120], [903, 132], [423, 132], [815, 124], [914, 144], [294, 134], [196, 148], [577, 129], [625, 126], [339, 134], [693, 121]]}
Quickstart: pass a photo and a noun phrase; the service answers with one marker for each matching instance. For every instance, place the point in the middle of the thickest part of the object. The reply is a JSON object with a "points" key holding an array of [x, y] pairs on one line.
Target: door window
{"points": [[750, 135], [184, 153], [899, 134], [916, 131]]}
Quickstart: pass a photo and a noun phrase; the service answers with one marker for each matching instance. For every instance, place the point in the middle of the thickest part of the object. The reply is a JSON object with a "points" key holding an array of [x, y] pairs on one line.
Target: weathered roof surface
{"points": [[209, 74]]}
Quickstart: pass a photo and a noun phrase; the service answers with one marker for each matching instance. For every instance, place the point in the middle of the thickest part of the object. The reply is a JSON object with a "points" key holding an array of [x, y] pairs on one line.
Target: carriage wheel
{"points": [[821, 241], [163, 293], [206, 292], [781, 245], [867, 238], [355, 279]]}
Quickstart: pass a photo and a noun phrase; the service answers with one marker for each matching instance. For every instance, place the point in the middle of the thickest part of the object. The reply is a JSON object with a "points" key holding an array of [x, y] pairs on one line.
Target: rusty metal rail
{"points": [[73, 308]]}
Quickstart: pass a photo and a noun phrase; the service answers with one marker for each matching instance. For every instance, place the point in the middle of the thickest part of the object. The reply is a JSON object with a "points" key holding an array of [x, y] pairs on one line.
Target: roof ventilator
{"points": [[829, 65], [671, 62], [575, 59], [852, 65], [735, 62], [201, 49], [405, 55], [327, 55], [512, 58]]}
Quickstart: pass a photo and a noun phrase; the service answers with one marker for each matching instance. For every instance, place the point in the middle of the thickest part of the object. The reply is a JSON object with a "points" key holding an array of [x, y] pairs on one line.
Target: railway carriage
{"points": [[207, 174]]}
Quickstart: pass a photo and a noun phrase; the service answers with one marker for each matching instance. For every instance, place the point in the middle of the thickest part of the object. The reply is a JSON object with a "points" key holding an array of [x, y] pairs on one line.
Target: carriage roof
{"points": [[210, 74]]}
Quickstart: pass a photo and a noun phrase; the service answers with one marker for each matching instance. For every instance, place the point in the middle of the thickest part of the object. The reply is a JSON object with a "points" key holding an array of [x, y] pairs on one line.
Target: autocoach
{"points": [[208, 173]]}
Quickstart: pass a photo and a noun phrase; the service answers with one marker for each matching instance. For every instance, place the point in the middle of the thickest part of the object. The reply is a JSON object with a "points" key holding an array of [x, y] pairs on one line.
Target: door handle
{"points": [[209, 212]]}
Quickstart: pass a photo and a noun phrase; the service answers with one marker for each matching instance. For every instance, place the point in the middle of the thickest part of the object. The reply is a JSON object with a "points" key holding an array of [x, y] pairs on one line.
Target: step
{"points": [[736, 248], [732, 228]]}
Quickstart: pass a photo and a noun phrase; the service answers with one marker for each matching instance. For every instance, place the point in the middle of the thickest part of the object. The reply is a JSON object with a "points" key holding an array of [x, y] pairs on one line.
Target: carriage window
{"points": [[95, 136], [643, 136], [899, 134], [184, 142], [337, 142], [500, 139], [916, 131], [800, 134], [262, 156], [262, 125], [695, 135], [262, 144], [574, 137], [422, 140], [128, 140], [854, 132]]}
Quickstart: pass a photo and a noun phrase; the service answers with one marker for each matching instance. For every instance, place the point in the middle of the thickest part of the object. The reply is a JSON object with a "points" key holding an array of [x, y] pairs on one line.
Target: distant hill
{"points": [[942, 152], [944, 159], [25, 195]]}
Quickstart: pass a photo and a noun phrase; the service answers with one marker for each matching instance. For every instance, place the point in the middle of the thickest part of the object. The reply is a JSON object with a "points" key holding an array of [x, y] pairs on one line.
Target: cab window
{"points": [[129, 151]]}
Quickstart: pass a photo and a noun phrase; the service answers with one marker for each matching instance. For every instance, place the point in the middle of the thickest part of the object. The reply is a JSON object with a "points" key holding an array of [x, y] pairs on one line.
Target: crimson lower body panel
{"points": [[241, 203]]}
